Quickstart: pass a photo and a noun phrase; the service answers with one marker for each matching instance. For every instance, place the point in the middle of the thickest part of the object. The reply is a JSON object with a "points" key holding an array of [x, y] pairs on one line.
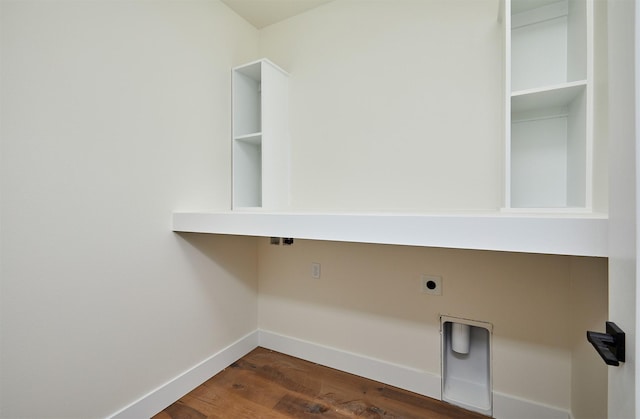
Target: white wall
{"points": [[115, 114], [368, 302], [623, 216], [394, 104]]}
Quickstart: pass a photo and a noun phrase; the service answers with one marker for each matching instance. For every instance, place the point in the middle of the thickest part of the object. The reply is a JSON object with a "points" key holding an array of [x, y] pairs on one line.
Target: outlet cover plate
{"points": [[315, 270]]}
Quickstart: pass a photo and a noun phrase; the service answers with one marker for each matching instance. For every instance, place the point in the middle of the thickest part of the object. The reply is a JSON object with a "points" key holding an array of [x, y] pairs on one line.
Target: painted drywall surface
{"points": [[589, 309], [367, 301], [115, 114], [395, 105], [623, 206]]}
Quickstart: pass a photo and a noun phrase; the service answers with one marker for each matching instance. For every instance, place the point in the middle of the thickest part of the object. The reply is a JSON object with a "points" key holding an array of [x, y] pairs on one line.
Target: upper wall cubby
{"points": [[549, 104], [260, 138]]}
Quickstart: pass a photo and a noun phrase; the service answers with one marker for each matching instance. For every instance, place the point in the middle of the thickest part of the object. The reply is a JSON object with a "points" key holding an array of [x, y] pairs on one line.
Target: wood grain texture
{"points": [[267, 384]]}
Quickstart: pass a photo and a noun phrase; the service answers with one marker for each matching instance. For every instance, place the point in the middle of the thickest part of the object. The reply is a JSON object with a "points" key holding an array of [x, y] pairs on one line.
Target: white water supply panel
{"points": [[466, 364]]}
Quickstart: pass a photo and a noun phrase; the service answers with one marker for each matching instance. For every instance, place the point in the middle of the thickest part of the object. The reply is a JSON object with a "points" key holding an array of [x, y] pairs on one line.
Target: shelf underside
{"points": [[580, 235]]}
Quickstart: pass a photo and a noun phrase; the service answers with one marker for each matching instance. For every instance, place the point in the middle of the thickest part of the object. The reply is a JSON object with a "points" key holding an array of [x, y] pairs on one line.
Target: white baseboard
{"points": [[507, 406], [417, 381], [171, 391], [411, 379], [421, 382]]}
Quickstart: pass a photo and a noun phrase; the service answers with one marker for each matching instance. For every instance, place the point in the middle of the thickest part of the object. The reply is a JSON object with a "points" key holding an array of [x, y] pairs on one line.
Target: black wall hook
{"points": [[609, 345]]}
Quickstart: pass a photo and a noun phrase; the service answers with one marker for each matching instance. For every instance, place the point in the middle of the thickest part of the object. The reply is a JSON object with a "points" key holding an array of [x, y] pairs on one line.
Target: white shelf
{"points": [[253, 138], [520, 6], [563, 234], [546, 97]]}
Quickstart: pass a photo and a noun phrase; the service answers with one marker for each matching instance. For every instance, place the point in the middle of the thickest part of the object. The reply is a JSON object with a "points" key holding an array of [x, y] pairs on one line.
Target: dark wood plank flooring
{"points": [[267, 384]]}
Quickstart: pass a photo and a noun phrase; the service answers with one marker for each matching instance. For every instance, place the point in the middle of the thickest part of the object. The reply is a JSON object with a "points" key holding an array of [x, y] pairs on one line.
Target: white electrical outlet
{"points": [[431, 284], [315, 270]]}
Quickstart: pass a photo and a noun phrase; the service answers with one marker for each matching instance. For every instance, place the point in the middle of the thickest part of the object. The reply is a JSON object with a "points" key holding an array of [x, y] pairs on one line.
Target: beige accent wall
{"points": [[368, 302], [589, 309]]}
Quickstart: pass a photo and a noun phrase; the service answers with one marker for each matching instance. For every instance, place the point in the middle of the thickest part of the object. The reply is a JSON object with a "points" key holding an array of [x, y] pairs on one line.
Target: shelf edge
{"points": [[561, 235]]}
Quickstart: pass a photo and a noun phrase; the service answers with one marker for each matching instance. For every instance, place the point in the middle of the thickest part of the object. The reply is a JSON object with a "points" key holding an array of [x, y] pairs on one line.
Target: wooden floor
{"points": [[267, 384]]}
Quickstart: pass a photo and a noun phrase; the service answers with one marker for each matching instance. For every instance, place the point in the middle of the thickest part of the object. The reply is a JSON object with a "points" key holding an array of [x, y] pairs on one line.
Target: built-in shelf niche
{"points": [[260, 144], [549, 133]]}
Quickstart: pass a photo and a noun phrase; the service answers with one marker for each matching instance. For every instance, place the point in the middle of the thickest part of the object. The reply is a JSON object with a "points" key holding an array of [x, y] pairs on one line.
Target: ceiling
{"points": [[261, 13]]}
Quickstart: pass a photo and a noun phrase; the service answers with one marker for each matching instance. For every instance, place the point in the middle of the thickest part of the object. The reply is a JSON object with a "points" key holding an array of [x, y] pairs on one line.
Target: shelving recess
{"points": [[549, 104], [260, 143]]}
